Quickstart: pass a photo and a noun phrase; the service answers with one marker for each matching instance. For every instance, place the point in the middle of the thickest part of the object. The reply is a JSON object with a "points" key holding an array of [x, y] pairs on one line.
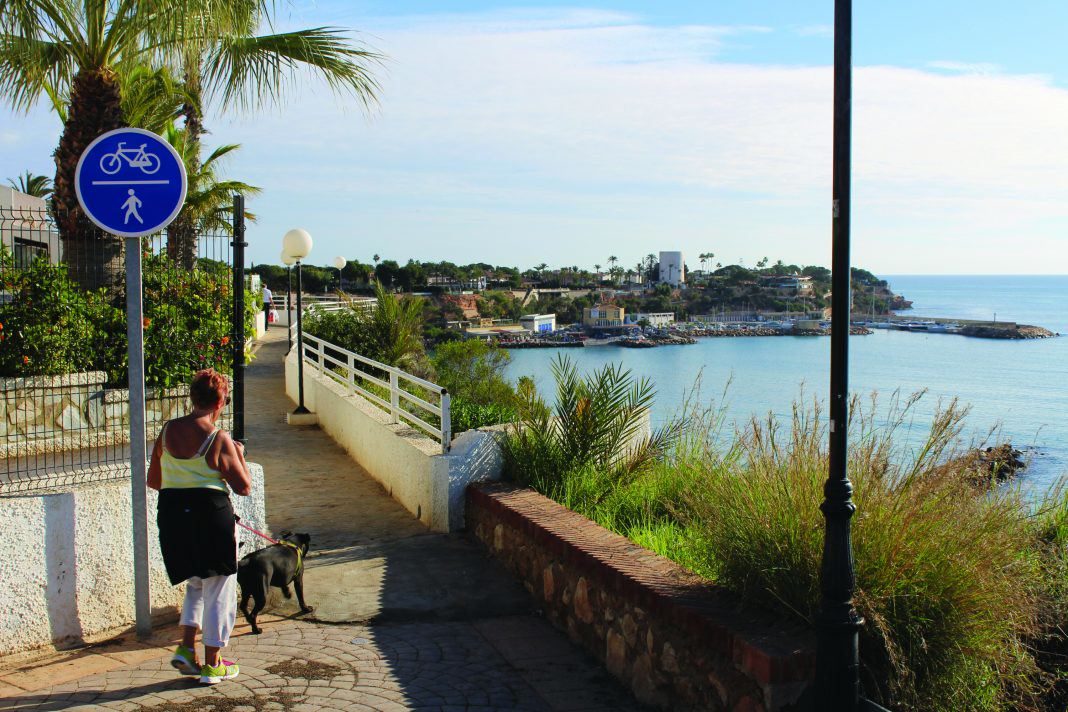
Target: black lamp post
{"points": [[297, 244], [838, 623], [288, 262]]}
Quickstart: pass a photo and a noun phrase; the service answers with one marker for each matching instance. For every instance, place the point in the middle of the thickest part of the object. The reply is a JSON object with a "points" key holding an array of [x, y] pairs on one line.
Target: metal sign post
{"points": [[132, 183]]}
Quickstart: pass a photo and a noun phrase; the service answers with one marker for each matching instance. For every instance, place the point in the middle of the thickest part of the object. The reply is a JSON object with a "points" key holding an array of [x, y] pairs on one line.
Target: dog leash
{"points": [[257, 533]]}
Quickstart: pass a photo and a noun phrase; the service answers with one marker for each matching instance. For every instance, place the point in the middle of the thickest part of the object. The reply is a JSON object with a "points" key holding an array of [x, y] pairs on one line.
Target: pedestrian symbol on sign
{"points": [[131, 205]]}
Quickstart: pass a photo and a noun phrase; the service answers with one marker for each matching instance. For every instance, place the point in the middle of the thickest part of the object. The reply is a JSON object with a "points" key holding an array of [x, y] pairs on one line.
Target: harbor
{"points": [[686, 333]]}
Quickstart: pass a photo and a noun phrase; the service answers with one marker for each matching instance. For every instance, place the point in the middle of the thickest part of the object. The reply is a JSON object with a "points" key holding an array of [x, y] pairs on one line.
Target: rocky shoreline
{"points": [[990, 465], [1018, 331]]}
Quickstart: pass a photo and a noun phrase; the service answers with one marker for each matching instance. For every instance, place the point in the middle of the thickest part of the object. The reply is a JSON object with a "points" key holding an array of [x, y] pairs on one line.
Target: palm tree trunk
{"points": [[94, 258], [182, 233]]}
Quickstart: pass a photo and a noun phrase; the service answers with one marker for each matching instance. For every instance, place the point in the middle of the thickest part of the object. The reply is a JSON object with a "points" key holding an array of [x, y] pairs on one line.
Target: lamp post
{"points": [[340, 263], [838, 623], [297, 244], [288, 262]]}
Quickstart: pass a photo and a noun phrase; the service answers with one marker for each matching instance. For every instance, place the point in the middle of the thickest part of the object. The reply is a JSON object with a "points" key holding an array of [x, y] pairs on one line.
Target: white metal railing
{"points": [[350, 369]]}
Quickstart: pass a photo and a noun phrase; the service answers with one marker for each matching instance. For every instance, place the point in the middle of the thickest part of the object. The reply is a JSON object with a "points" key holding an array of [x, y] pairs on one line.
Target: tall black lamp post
{"points": [[838, 623], [297, 244], [289, 262]]}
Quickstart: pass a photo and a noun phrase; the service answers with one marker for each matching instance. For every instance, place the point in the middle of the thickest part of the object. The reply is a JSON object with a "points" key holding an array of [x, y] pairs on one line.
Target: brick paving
{"points": [[509, 663], [443, 649]]}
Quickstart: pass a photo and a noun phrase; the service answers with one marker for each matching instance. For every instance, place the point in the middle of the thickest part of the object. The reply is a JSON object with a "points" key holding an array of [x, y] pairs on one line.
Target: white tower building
{"points": [[671, 269]]}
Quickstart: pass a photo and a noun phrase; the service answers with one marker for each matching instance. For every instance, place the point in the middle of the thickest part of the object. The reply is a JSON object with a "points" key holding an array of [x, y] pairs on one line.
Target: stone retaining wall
{"points": [[44, 414], [677, 641]]}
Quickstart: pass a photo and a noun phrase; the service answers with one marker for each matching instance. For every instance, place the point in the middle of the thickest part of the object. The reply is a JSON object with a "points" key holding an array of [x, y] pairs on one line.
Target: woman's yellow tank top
{"points": [[190, 472]]}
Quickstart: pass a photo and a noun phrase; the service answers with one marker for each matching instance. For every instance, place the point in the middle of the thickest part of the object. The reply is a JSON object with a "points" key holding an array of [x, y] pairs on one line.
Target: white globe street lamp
{"points": [[340, 263], [297, 243]]}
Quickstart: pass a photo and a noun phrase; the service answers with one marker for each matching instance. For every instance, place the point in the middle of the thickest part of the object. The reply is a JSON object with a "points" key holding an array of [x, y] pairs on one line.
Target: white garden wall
{"points": [[67, 567]]}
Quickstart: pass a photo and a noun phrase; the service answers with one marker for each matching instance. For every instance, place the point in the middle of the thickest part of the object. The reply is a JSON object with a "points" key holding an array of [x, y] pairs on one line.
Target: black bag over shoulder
{"points": [[196, 533]]}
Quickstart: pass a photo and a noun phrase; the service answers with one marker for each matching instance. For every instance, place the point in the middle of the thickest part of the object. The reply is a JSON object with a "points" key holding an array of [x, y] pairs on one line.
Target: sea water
{"points": [[1018, 387]]}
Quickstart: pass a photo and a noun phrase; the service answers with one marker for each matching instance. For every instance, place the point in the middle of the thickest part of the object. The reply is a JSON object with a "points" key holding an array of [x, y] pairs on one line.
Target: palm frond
{"points": [[249, 71], [31, 67], [151, 98]]}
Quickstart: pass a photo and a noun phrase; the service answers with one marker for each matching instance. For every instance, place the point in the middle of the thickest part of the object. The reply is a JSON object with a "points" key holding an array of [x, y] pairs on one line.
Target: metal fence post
{"points": [[446, 421], [138, 437], [238, 403], [394, 398]]}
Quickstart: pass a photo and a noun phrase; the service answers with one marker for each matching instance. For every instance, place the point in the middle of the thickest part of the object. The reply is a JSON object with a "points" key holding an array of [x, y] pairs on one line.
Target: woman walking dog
{"points": [[193, 461]]}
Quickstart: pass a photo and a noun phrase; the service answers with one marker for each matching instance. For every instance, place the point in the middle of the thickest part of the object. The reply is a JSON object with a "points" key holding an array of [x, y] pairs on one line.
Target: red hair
{"points": [[208, 389]]}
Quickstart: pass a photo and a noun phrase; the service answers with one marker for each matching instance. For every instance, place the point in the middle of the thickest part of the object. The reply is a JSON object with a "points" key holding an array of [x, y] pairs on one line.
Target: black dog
{"points": [[278, 565]]}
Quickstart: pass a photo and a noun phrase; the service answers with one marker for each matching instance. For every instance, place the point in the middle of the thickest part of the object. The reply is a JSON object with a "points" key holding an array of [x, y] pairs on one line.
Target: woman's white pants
{"points": [[211, 605]]}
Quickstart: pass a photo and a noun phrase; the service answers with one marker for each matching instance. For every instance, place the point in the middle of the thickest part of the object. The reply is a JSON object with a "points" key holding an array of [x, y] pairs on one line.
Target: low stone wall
{"points": [[45, 414], [67, 569], [677, 641], [409, 465]]}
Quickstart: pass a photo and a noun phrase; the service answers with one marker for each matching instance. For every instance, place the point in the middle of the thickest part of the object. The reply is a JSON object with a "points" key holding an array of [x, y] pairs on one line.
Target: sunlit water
{"points": [[1019, 386]]}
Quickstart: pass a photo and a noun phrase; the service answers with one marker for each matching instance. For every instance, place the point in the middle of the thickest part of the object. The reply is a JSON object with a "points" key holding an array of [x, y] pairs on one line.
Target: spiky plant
{"points": [[597, 422]]}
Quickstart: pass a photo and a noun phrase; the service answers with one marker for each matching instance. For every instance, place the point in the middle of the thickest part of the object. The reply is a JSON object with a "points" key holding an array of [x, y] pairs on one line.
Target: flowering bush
{"points": [[49, 325]]}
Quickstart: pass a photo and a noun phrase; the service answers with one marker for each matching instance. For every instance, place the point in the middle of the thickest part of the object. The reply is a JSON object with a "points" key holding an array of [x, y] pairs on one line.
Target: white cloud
{"points": [[965, 67], [566, 137], [816, 31]]}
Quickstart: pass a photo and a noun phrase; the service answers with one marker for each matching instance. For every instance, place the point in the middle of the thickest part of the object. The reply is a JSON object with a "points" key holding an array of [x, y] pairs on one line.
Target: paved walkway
{"points": [[404, 620]]}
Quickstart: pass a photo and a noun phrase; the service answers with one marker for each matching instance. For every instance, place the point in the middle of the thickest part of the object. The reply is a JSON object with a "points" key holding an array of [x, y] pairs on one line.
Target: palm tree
{"points": [[75, 53], [209, 200], [69, 52], [234, 65], [612, 261], [31, 184], [396, 324]]}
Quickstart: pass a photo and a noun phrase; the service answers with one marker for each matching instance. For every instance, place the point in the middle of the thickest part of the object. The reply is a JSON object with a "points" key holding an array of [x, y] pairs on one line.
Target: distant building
{"points": [[492, 329], [25, 230], [787, 284], [538, 323], [603, 315], [672, 269], [657, 319], [448, 284]]}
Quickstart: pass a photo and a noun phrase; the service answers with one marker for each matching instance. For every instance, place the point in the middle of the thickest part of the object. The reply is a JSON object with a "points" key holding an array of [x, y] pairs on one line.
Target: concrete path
{"points": [[404, 620]]}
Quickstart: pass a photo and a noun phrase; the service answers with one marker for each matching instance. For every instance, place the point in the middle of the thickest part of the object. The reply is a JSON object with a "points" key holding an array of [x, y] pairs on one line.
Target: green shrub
{"points": [[473, 371], [52, 326], [468, 416]]}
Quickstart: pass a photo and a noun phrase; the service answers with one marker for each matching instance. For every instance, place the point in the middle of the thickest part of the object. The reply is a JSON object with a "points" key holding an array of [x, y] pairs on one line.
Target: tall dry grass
{"points": [[947, 577]]}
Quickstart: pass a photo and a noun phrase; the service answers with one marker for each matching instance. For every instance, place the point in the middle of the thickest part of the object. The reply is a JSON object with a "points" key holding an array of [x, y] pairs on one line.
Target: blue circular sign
{"points": [[130, 182]]}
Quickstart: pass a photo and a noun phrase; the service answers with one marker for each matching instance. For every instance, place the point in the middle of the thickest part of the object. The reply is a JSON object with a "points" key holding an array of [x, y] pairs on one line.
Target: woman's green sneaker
{"points": [[184, 661], [214, 674]]}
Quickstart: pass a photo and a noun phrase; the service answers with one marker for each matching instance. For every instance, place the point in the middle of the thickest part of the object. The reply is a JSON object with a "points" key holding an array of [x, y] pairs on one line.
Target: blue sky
{"points": [[523, 133]]}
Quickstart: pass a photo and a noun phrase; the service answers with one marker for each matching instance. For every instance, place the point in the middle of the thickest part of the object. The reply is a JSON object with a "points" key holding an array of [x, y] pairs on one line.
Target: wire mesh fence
{"points": [[64, 400]]}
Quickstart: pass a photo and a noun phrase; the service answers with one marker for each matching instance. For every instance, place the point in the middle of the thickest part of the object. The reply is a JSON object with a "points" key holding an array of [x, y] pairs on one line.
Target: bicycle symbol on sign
{"points": [[149, 163]]}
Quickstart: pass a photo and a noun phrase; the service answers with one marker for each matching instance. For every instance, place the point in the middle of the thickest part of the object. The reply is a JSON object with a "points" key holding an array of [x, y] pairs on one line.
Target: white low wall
{"points": [[66, 572], [407, 464]]}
